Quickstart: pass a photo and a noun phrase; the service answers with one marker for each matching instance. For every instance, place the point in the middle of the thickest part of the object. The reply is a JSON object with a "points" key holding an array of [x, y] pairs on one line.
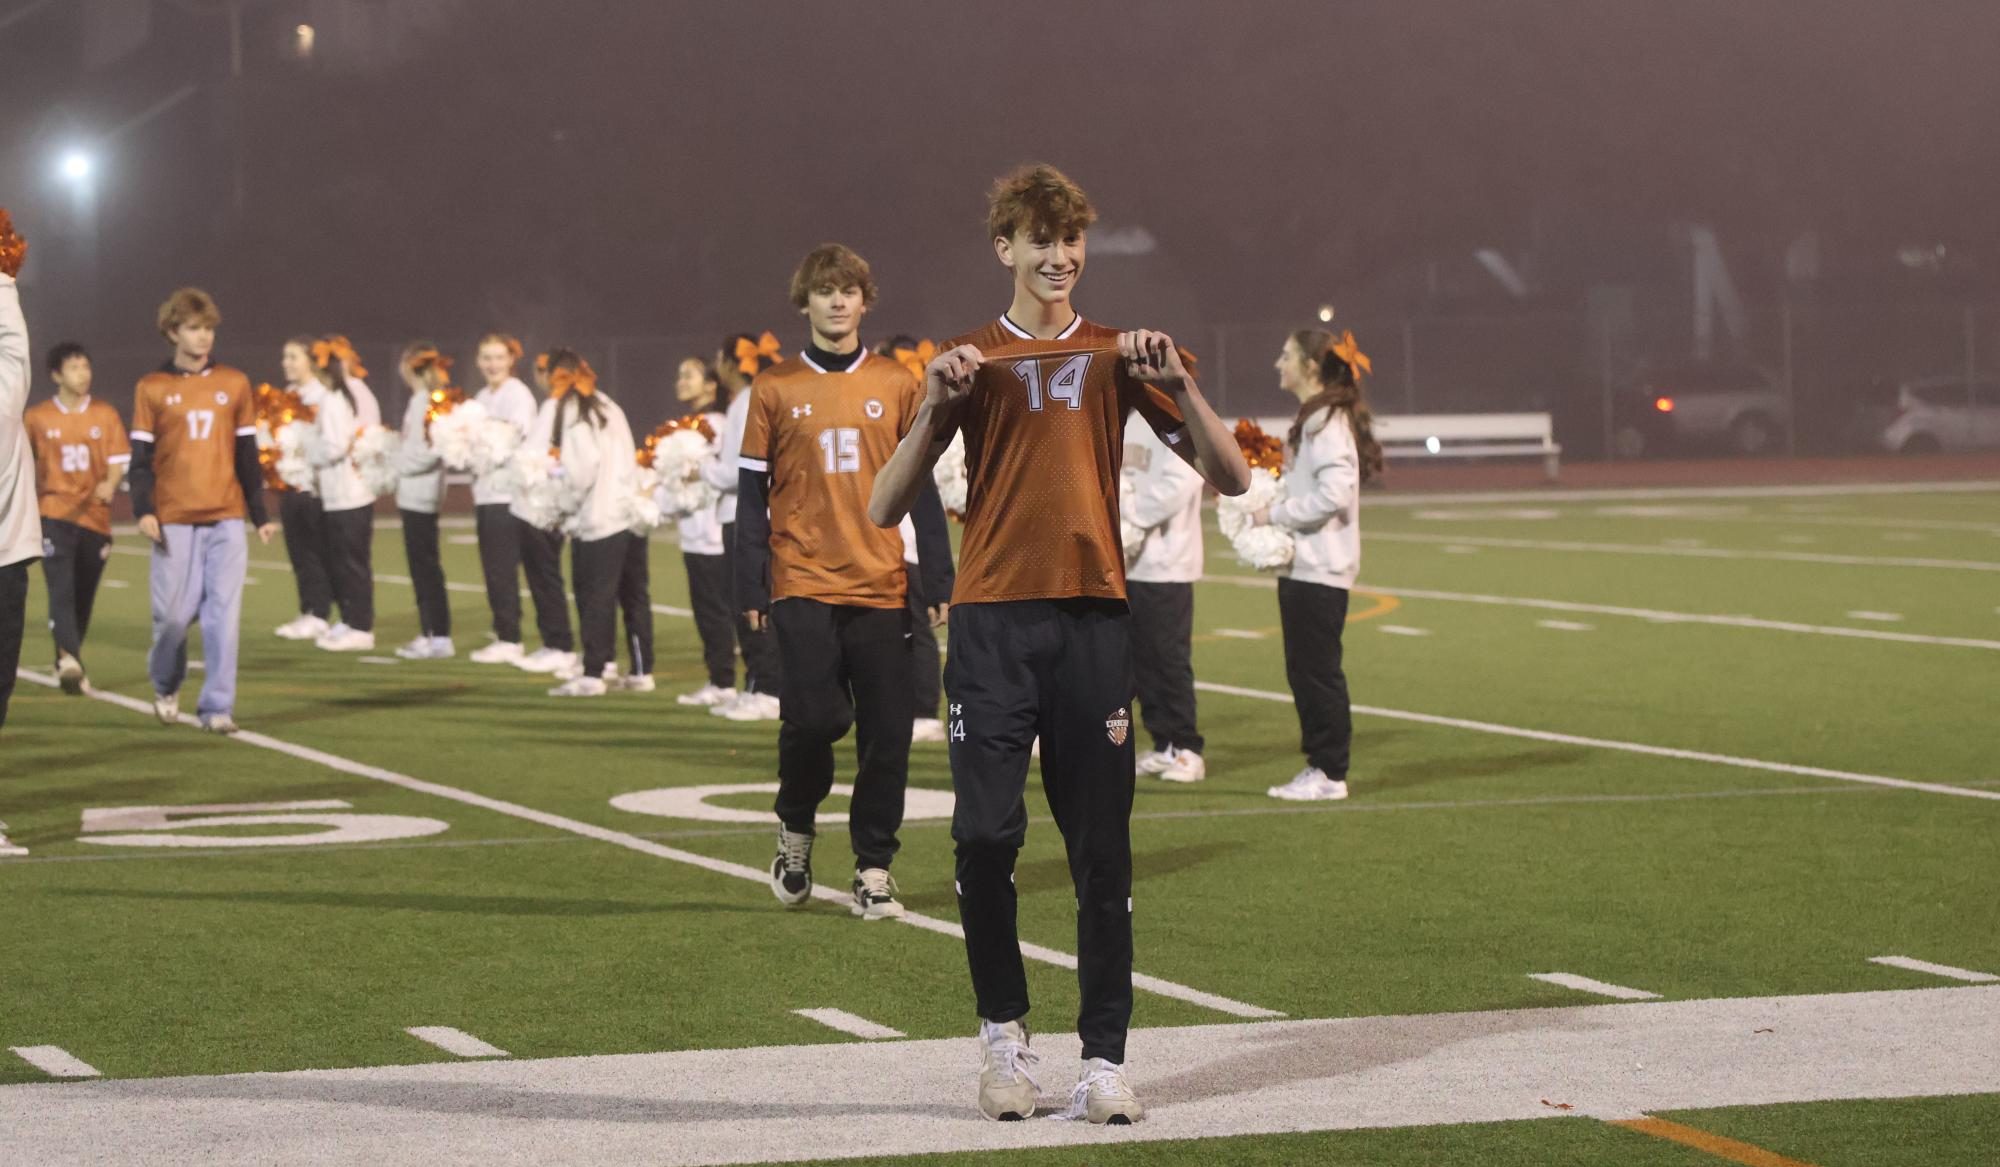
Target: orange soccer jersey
{"points": [[193, 421], [1044, 441], [823, 435], [74, 451]]}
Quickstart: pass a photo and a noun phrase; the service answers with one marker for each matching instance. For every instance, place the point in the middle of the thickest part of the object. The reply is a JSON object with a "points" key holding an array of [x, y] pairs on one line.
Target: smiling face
{"points": [[1046, 265], [297, 364], [1296, 374], [835, 313], [693, 385], [496, 363]]}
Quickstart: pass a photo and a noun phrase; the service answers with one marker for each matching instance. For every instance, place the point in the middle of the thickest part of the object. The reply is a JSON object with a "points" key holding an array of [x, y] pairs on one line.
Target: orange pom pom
{"points": [[1261, 450], [13, 248], [697, 422]]}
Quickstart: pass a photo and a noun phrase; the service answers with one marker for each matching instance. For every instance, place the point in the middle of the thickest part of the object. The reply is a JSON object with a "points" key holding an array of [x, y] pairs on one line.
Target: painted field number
{"points": [[182, 826]]}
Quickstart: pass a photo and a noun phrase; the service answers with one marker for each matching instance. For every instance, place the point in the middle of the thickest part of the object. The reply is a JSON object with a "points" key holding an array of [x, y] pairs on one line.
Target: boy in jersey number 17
{"points": [[1040, 632]]}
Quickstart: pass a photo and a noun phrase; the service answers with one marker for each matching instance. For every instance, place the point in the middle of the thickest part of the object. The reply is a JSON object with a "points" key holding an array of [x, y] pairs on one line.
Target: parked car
{"points": [[1694, 408], [1939, 415]]}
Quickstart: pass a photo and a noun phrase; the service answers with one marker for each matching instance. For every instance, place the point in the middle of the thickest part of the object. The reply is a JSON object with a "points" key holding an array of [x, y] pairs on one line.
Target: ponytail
{"points": [[1338, 364]]}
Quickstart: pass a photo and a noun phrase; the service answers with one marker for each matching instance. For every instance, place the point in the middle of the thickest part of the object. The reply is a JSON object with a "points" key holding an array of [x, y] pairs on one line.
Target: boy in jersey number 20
{"points": [[1040, 633]]}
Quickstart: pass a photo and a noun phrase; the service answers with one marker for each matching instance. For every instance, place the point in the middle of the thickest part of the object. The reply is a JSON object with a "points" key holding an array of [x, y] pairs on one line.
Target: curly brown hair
{"points": [[833, 265], [1038, 199], [188, 306]]}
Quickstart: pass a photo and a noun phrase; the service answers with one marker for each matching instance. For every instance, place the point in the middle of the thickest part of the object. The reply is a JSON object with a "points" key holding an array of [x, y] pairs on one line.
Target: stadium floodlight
{"points": [[1326, 314], [303, 39], [76, 166]]}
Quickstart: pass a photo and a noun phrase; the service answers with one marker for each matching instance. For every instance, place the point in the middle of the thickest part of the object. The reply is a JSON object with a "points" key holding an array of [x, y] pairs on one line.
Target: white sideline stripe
{"points": [[56, 1061], [1691, 552], [849, 1024], [1877, 617], [1588, 985], [1655, 494], [1060, 959], [1940, 970], [1404, 630], [455, 1041], [1239, 634], [1651, 614], [1568, 739], [1565, 626]]}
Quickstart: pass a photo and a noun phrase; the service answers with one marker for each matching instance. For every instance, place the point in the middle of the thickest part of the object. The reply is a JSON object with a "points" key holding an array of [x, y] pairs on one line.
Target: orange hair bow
{"points": [[1347, 350], [749, 356], [581, 380], [13, 248], [424, 360], [325, 351], [917, 359]]}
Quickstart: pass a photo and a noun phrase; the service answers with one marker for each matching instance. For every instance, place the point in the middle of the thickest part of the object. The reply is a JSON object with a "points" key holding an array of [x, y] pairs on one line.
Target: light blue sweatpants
{"points": [[199, 574]]}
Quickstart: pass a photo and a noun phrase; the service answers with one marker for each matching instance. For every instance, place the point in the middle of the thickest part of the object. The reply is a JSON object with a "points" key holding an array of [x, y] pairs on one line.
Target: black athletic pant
{"points": [[420, 547], [72, 565], [500, 561], [635, 599], [1314, 616], [1060, 669], [596, 567], [541, 561], [709, 594], [1163, 662], [845, 667], [925, 659], [763, 669], [350, 549], [300, 514], [13, 618]]}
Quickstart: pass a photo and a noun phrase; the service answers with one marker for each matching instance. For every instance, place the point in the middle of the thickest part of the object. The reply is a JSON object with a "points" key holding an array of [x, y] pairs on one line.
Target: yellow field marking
{"points": [[1736, 1152]]}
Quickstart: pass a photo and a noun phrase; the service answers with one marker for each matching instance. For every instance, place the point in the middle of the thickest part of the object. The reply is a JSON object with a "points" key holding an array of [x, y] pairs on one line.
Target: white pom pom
{"points": [[642, 510], [292, 467], [677, 463], [1265, 548], [455, 436], [950, 475], [375, 456], [543, 494]]}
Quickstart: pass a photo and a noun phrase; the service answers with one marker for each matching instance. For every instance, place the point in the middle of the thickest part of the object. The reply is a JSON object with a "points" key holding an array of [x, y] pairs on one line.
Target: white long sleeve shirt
{"points": [[331, 452], [1166, 503], [20, 520], [721, 471], [421, 485], [367, 410], [701, 532], [512, 402], [1322, 503], [599, 460]]}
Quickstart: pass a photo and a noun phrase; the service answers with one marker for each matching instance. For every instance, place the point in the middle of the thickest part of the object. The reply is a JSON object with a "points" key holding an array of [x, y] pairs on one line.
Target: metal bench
{"points": [[1433, 436]]}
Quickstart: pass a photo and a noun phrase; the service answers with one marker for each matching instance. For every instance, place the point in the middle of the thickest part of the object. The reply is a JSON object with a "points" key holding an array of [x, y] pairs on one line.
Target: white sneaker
{"points": [[442, 648], [573, 669], [1156, 761], [546, 660], [642, 683], [167, 707], [927, 729], [10, 850], [341, 638], [580, 687], [500, 652], [708, 696], [418, 649], [875, 895], [1103, 1096], [69, 674], [1311, 785], [220, 723], [1185, 766], [305, 627], [750, 707], [792, 869], [1008, 1091]]}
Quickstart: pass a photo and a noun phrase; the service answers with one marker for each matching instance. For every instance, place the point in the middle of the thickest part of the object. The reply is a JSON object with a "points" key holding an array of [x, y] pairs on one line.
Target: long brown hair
{"points": [[1340, 389]]}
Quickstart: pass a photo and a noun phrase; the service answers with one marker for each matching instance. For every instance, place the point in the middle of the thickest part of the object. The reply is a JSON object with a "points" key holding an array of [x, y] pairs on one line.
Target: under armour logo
{"points": [[802, 410], [958, 711], [173, 399]]}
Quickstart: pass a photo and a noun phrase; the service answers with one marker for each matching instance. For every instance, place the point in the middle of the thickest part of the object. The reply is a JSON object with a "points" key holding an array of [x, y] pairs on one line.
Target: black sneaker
{"points": [[792, 869], [875, 895]]}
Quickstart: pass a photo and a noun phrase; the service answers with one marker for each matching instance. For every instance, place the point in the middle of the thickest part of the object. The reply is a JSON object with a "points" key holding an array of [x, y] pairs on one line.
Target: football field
{"points": [[1674, 841]]}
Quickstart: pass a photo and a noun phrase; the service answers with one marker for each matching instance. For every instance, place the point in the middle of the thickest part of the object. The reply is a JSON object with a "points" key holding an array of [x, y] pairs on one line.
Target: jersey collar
{"points": [[1024, 334], [61, 408], [860, 357]]}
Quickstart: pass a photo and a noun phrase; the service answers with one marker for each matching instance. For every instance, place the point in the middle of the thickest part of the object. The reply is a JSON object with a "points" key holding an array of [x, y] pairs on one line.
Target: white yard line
{"points": [[837, 1100], [1403, 630], [1690, 552], [849, 1024], [1589, 985], [1164, 988], [1238, 634], [1827, 490], [55, 1061], [1936, 970], [1877, 617], [455, 1041], [1569, 739], [1565, 626], [1653, 615]]}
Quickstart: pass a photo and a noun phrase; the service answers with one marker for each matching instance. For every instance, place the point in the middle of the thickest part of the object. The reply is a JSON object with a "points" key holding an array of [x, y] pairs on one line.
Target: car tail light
{"points": [[1663, 404]]}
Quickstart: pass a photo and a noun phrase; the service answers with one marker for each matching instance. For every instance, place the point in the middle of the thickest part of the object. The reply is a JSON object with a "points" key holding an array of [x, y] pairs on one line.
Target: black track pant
{"points": [[299, 513], [845, 667], [925, 658], [1163, 662], [350, 544], [500, 562], [763, 669], [1061, 670], [1314, 616], [595, 568], [420, 547], [541, 560], [72, 565], [13, 617], [709, 594], [635, 600]]}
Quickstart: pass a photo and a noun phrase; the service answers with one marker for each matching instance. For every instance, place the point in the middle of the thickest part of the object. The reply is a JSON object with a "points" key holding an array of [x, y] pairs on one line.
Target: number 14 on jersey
{"points": [[1064, 383]]}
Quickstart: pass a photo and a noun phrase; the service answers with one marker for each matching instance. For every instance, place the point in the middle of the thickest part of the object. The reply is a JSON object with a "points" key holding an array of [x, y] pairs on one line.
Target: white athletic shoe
{"points": [[574, 669], [708, 696], [875, 895], [642, 683], [546, 660], [1185, 766], [1311, 785], [418, 649], [580, 687], [750, 707], [69, 674], [792, 869], [1008, 1091], [167, 707], [305, 627], [9, 850], [341, 638], [1156, 761], [500, 652], [1102, 1096], [220, 723], [927, 729], [442, 648]]}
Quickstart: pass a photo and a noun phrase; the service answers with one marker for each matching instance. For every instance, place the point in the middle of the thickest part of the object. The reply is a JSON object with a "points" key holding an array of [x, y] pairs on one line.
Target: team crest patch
{"points": [[96, 432], [873, 408], [1118, 727], [221, 398]]}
